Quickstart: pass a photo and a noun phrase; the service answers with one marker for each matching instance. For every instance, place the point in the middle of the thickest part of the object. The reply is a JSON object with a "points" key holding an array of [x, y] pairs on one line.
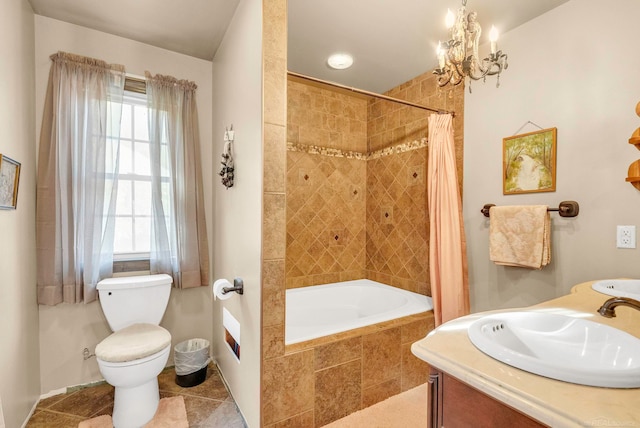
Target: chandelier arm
{"points": [[448, 76], [442, 81], [483, 71], [458, 70], [481, 66], [496, 65], [456, 79]]}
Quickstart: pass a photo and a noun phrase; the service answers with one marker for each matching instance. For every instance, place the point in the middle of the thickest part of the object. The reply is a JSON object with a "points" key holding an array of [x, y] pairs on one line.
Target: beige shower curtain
{"points": [[447, 245]]}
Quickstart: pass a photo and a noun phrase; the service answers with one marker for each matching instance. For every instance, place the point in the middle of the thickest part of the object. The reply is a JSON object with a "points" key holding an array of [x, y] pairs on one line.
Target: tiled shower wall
{"points": [[328, 119], [326, 185], [326, 215], [397, 213], [388, 120], [356, 201], [397, 228]]}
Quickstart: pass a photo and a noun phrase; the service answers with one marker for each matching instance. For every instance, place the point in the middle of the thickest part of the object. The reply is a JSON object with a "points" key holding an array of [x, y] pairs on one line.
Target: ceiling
{"points": [[391, 41], [191, 27]]}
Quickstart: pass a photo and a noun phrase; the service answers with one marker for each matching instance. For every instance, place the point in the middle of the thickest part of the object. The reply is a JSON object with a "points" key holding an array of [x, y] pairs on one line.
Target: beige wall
{"points": [[65, 330], [19, 354], [573, 68], [237, 89]]}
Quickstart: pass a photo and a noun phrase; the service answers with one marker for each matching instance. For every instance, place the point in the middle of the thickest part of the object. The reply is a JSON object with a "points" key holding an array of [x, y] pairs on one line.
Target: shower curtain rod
{"points": [[371, 94]]}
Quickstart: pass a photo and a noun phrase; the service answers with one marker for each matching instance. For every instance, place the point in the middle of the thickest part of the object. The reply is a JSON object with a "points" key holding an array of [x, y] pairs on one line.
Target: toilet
{"points": [[133, 356]]}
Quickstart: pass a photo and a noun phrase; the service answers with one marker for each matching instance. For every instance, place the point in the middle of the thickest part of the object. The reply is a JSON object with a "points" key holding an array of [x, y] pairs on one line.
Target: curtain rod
{"points": [[371, 94], [135, 84]]}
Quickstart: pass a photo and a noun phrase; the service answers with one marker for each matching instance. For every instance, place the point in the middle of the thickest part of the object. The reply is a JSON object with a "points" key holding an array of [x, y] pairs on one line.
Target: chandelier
{"points": [[458, 57]]}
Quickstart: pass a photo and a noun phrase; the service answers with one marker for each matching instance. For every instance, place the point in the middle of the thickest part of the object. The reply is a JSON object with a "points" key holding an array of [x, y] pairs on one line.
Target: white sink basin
{"points": [[618, 287], [560, 347]]}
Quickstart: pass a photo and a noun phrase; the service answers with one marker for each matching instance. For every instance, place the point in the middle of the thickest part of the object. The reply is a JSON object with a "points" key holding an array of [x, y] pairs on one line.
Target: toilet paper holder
{"points": [[238, 287]]}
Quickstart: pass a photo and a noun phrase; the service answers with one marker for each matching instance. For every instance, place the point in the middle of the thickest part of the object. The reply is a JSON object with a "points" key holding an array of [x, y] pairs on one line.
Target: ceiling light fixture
{"points": [[458, 57], [340, 61]]}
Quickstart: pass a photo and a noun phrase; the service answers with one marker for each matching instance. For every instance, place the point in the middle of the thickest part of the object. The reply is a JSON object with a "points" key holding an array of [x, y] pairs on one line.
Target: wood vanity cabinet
{"points": [[454, 404]]}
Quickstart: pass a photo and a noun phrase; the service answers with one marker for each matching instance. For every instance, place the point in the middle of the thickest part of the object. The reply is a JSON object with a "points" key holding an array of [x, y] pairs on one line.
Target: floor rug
{"points": [[408, 409], [171, 413]]}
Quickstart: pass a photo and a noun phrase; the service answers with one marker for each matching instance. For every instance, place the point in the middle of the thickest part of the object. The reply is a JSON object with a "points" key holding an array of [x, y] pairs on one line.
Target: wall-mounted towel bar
{"points": [[565, 209]]}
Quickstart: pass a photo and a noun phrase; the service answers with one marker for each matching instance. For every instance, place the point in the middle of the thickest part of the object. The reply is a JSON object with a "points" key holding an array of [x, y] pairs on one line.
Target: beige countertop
{"points": [[552, 402]]}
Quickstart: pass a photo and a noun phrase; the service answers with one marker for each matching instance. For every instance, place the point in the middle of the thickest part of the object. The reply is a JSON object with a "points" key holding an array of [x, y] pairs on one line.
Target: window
{"points": [[132, 239], [160, 209]]}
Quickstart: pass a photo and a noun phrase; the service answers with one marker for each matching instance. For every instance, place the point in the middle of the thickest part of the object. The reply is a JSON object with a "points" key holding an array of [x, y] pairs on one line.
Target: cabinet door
{"points": [[453, 404]]}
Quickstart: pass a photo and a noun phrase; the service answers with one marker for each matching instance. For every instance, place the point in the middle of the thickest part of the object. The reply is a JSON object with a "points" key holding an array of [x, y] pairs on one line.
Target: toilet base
{"points": [[133, 407]]}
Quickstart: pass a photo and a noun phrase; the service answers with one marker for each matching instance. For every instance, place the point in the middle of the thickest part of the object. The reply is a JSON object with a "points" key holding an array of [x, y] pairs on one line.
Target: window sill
{"points": [[122, 266]]}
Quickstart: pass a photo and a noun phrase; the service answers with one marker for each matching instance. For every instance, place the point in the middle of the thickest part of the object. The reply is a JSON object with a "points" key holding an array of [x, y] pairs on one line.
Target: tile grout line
{"points": [[60, 413]]}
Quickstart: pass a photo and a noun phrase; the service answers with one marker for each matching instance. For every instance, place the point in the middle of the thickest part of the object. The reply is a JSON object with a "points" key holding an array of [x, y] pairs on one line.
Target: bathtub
{"points": [[322, 310]]}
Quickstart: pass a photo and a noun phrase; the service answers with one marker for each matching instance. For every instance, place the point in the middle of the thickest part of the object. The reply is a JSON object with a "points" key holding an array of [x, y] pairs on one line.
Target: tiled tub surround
{"points": [[288, 386], [326, 210], [327, 118], [325, 185], [397, 244], [356, 201], [352, 217], [325, 379]]}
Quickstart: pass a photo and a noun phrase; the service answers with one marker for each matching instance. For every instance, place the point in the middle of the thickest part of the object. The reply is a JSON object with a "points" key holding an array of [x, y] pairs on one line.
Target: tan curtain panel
{"points": [[447, 245], [179, 234], [76, 187]]}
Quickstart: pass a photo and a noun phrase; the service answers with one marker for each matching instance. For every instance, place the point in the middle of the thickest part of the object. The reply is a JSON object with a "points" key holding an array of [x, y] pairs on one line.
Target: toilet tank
{"points": [[128, 300]]}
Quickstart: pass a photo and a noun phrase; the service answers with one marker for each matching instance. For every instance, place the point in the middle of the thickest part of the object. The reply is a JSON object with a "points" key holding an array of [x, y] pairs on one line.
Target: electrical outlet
{"points": [[626, 237]]}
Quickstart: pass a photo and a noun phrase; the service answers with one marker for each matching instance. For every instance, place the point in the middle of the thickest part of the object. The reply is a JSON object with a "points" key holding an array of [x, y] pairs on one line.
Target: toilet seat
{"points": [[133, 343]]}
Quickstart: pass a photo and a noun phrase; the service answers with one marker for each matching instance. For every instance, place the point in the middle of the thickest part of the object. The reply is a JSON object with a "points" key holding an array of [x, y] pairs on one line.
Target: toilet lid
{"points": [[132, 343]]}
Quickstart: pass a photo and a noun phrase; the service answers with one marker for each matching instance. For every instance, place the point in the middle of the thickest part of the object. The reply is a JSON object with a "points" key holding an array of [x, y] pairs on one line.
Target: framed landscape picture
{"points": [[529, 162], [9, 179]]}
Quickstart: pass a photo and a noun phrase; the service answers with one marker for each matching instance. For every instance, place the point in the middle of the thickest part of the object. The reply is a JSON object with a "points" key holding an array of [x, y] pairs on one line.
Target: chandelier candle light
{"points": [[458, 57]]}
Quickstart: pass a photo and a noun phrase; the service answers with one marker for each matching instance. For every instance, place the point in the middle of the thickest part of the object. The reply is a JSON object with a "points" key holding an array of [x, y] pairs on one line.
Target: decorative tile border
{"points": [[399, 148], [325, 151], [338, 153]]}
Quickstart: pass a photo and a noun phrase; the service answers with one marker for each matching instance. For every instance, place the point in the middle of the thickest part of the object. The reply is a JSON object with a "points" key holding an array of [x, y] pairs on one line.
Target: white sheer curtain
{"points": [[178, 234], [76, 190]]}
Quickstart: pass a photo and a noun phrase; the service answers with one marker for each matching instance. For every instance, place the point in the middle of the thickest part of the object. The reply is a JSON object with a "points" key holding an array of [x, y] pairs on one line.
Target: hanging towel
{"points": [[226, 172], [520, 236]]}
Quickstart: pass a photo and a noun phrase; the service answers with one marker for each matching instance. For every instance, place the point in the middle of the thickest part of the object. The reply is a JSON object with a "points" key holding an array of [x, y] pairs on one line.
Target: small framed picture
{"points": [[529, 162], [9, 180]]}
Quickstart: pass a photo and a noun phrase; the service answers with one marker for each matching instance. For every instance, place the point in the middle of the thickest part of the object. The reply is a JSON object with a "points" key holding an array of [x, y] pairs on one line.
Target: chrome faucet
{"points": [[608, 308]]}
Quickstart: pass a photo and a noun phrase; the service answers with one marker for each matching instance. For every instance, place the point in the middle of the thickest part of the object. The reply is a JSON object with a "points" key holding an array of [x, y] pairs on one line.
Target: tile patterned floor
{"points": [[209, 404]]}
